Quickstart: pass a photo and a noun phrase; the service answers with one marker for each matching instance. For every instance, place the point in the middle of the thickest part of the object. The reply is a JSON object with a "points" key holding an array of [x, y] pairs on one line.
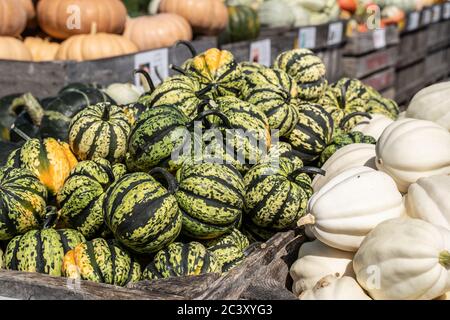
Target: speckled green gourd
{"points": [[101, 261], [251, 67], [141, 213], [276, 194], [41, 251], [81, 198], [22, 202], [100, 131], [307, 69], [229, 249], [179, 259], [211, 198], [275, 93]]}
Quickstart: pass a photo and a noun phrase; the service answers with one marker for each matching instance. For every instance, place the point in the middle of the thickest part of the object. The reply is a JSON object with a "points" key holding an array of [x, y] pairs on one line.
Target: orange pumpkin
{"points": [[13, 18], [31, 12], [208, 17], [64, 18], [41, 49], [13, 49], [160, 31]]}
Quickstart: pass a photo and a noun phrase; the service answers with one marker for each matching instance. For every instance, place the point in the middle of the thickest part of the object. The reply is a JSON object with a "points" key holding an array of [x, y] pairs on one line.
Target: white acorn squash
{"points": [[445, 296], [412, 149], [375, 126], [433, 104], [333, 288], [317, 260], [350, 205], [274, 13], [350, 156], [404, 259], [124, 93], [429, 199]]}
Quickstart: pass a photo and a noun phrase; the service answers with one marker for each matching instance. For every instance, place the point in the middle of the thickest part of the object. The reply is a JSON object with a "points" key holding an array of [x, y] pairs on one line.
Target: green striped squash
{"points": [[41, 251], [211, 198], [100, 131], [282, 150], [119, 170], [158, 133], [218, 69], [256, 234], [251, 67], [381, 105], [243, 24], [22, 202], [101, 261], [81, 197], [2, 260], [179, 259], [229, 249], [277, 194], [313, 132], [274, 93], [141, 213], [307, 69], [133, 111]]}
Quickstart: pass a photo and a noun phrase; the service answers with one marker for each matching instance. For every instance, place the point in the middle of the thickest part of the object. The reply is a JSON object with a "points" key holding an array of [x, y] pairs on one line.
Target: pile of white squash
{"points": [[380, 216]]}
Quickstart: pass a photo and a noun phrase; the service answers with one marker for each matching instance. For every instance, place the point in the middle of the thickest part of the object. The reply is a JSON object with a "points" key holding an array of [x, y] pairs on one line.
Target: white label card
{"points": [[437, 13], [413, 21], [307, 38], [447, 11], [426, 18], [155, 62], [335, 33], [261, 52], [379, 38]]}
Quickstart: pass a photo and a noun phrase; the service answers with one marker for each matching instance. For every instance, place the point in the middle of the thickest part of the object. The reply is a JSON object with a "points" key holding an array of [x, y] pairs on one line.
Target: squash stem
{"points": [[149, 86], [308, 170], [444, 259], [200, 94], [226, 122], [350, 116], [31, 105], [106, 112], [177, 69], [309, 219], [20, 133], [172, 183], [50, 218], [188, 45]]}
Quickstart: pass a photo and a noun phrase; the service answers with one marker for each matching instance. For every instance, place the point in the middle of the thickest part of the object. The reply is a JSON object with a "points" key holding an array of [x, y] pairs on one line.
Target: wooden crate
{"points": [[332, 59], [44, 79], [361, 43], [436, 66], [412, 48], [381, 80], [389, 93], [362, 66], [409, 81]]}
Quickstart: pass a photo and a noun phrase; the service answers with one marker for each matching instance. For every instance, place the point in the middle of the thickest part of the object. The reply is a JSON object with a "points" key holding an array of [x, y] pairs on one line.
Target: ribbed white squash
{"points": [[275, 13], [375, 126], [445, 296], [333, 288], [348, 207], [412, 149], [429, 199], [433, 104], [317, 260], [404, 259], [350, 156], [124, 93]]}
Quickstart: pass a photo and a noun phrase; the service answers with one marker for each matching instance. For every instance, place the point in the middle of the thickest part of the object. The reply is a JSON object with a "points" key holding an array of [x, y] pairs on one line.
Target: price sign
{"points": [[427, 16], [379, 38], [156, 63], [307, 38], [446, 13], [437, 10], [261, 52], [335, 33], [413, 21]]}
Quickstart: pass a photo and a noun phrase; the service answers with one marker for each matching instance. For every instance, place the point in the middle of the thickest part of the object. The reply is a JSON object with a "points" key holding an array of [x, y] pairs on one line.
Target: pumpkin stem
{"points": [[106, 112], [93, 28], [201, 117], [177, 69], [350, 116], [343, 101], [188, 45], [20, 133], [306, 220], [31, 105], [172, 183], [149, 86], [200, 94], [51, 216], [158, 75], [308, 170], [444, 259]]}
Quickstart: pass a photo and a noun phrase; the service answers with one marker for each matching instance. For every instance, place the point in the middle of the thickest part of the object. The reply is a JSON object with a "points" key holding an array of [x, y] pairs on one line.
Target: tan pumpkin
{"points": [[31, 12], [13, 18], [41, 49], [13, 49], [208, 17], [64, 18], [160, 31], [95, 46]]}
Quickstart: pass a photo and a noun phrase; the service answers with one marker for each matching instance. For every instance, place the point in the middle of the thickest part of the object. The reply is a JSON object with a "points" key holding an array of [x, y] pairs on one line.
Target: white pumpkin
{"points": [[374, 127], [350, 156], [445, 296], [429, 199], [124, 93], [412, 149], [350, 205], [402, 116], [404, 259], [334, 288], [274, 14], [433, 104], [317, 260]]}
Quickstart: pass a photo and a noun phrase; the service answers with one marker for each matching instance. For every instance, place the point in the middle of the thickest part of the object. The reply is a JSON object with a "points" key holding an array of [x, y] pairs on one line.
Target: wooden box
{"points": [[362, 66], [381, 80]]}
